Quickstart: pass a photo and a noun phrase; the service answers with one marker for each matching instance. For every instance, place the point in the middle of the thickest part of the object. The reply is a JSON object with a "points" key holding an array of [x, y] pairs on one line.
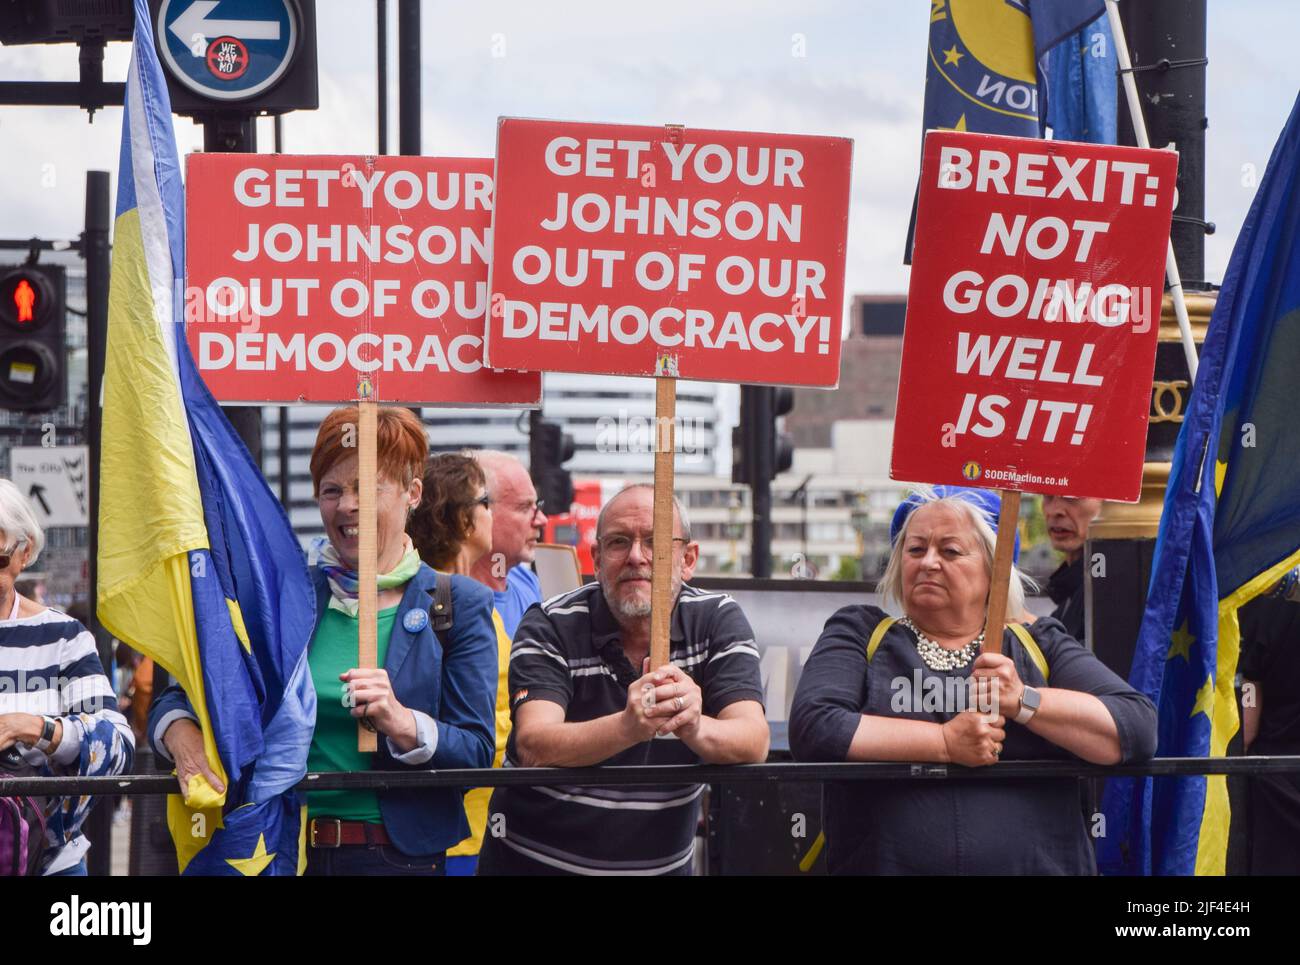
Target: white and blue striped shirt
{"points": [[49, 666]]}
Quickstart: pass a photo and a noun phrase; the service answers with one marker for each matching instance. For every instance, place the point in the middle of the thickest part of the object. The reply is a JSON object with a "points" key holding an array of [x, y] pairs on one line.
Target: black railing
{"points": [[680, 774]]}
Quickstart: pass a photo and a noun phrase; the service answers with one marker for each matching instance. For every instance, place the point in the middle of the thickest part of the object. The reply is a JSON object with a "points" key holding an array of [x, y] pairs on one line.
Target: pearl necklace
{"points": [[941, 658]]}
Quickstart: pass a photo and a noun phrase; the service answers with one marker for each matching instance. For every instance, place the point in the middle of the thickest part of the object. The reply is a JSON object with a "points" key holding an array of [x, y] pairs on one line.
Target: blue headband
{"points": [[987, 502]]}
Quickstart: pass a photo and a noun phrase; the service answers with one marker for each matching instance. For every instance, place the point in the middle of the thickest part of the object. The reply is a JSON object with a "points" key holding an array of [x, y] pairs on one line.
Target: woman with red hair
{"points": [[432, 697]]}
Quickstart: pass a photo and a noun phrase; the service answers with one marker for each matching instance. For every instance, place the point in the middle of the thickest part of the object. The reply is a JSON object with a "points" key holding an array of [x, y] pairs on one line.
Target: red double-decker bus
{"points": [[577, 527]]}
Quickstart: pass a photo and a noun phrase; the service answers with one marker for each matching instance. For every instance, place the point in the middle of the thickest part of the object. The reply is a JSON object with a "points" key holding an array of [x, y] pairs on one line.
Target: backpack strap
{"points": [[440, 610], [877, 635], [1031, 647], [440, 615]]}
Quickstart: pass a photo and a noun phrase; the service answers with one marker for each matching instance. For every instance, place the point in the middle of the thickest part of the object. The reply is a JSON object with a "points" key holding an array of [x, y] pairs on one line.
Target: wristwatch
{"points": [[47, 735], [1029, 701]]}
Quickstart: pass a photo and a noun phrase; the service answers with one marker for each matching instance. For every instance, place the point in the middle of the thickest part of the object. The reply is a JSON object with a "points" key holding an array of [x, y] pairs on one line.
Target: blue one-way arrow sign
{"points": [[196, 22], [227, 50]]}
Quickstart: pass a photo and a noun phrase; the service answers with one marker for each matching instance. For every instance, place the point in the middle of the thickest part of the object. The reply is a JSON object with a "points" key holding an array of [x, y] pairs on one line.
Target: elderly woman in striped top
{"points": [[58, 712]]}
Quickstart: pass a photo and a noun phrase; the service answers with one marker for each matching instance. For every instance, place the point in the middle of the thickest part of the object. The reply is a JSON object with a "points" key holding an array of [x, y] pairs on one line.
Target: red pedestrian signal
{"points": [[32, 349], [26, 295], [24, 299]]}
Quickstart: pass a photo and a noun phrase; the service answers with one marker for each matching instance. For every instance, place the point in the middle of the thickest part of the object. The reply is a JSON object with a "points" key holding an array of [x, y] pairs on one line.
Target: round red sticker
{"points": [[227, 58]]}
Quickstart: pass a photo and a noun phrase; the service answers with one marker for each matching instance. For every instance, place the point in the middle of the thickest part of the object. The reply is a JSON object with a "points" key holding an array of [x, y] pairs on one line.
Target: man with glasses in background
{"points": [[581, 695], [1068, 519], [517, 521]]}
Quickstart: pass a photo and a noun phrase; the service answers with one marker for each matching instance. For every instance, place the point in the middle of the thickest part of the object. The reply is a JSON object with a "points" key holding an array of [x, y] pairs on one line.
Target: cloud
{"points": [[848, 69]]}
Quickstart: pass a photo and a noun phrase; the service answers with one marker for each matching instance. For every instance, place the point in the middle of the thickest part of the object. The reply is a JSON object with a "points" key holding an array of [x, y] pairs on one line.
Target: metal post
{"points": [[758, 418], [1167, 39], [806, 497], [408, 89], [99, 825], [230, 133], [237, 133], [381, 70], [91, 63], [408, 76], [283, 411]]}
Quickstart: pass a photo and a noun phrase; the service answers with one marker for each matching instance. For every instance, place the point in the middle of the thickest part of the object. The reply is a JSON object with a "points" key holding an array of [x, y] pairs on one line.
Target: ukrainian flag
{"points": [[1230, 529], [198, 567]]}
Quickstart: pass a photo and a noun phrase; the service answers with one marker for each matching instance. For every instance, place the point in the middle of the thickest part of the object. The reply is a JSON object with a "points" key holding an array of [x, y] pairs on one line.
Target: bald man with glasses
{"points": [[581, 696], [518, 519]]}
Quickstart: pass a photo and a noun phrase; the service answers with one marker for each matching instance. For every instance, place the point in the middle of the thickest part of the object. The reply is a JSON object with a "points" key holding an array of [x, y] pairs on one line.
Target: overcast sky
{"points": [[703, 63]]}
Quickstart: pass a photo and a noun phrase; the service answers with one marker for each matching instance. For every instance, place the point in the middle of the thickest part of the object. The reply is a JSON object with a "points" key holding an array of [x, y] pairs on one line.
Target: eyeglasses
{"points": [[617, 547], [533, 508], [8, 555], [485, 501]]}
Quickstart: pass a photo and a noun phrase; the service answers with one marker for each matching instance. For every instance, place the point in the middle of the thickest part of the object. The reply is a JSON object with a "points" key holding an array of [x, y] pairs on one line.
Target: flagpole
{"points": [[1140, 130]]}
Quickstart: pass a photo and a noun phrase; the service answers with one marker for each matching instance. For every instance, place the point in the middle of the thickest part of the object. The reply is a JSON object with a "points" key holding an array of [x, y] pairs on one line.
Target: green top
{"points": [[334, 651]]}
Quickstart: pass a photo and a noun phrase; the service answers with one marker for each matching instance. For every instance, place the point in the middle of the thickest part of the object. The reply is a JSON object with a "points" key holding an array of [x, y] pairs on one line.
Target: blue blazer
{"points": [[458, 689]]}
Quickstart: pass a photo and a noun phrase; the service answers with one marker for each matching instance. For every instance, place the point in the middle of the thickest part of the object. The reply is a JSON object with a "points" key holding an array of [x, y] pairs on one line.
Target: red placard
{"points": [[306, 273], [714, 255], [1032, 315]]}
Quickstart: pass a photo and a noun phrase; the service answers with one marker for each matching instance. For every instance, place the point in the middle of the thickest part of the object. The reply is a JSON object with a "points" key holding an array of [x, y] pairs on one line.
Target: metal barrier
{"points": [[681, 774]]}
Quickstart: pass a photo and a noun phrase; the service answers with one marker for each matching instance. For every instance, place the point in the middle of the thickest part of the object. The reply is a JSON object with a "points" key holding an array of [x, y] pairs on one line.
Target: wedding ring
{"points": [[680, 703]]}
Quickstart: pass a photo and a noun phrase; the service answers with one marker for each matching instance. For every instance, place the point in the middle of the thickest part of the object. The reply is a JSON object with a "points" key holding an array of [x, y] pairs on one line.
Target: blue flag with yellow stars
{"points": [[198, 566], [1230, 530], [1081, 75], [983, 67]]}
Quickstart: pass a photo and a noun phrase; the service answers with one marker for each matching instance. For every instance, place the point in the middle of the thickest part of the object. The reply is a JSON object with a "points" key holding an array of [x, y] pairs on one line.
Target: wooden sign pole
{"points": [[661, 573], [367, 556], [1008, 517]]}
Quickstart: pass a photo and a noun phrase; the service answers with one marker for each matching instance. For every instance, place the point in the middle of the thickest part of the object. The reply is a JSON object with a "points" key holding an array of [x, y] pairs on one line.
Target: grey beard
{"points": [[632, 609], [635, 609]]}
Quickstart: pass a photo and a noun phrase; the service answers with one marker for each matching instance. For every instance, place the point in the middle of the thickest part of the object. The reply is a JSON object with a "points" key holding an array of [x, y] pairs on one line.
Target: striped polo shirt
{"points": [[49, 666], [568, 651]]}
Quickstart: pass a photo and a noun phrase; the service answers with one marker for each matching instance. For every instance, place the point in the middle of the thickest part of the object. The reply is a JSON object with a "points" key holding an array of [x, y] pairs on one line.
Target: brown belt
{"points": [[333, 833]]}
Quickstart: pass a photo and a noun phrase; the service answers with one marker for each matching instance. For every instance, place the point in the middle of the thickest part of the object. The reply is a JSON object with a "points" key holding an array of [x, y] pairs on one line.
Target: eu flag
{"points": [[982, 73], [1230, 529], [198, 567]]}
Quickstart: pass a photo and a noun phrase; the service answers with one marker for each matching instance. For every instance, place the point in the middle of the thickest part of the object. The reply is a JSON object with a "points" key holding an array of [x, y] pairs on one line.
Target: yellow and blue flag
{"points": [[1230, 530], [198, 566], [982, 72]]}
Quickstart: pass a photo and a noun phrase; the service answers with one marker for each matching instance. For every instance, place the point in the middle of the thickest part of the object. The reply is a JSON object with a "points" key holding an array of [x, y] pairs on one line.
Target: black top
{"points": [[1065, 587], [942, 827], [1270, 656], [568, 651]]}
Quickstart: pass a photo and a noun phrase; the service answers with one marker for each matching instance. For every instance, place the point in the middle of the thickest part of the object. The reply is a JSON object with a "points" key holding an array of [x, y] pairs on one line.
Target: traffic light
{"points": [[740, 453], [65, 21], [31, 337], [757, 439], [782, 444], [549, 447]]}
